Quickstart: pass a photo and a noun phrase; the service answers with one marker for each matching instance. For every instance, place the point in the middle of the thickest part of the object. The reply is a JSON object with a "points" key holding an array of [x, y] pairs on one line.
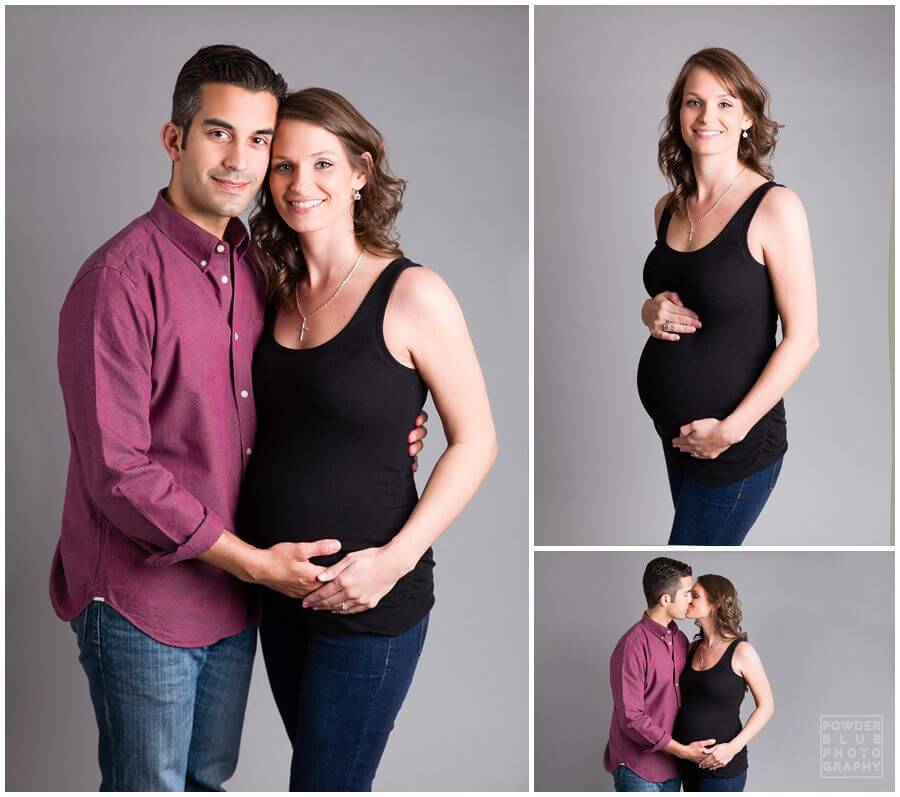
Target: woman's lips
{"points": [[707, 135], [304, 206]]}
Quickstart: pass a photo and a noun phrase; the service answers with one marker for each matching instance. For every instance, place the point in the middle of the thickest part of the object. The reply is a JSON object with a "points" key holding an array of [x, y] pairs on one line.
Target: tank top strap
{"points": [[663, 228], [745, 213], [370, 315], [271, 312], [728, 655], [381, 290]]}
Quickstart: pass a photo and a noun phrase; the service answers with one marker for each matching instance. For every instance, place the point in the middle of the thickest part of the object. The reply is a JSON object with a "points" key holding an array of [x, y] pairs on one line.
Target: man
{"points": [[156, 338], [644, 671]]}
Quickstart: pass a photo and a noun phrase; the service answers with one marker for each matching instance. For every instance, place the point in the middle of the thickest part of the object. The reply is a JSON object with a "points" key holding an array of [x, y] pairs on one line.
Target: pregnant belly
{"points": [[694, 724], [683, 381], [278, 510]]}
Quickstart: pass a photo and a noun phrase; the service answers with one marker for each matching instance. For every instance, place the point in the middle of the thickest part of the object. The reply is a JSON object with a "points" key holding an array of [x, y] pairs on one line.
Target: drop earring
{"points": [[357, 196], [744, 134]]}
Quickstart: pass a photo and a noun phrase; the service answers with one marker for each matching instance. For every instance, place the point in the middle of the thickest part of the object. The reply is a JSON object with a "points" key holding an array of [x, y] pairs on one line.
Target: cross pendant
{"points": [[303, 329], [691, 234]]}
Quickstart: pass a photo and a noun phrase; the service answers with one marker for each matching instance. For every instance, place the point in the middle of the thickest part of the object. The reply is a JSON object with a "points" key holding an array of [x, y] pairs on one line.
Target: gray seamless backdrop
{"points": [[87, 91], [602, 75], [823, 624]]}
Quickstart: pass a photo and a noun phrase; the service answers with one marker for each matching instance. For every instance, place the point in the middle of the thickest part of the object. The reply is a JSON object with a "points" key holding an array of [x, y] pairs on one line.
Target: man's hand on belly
{"points": [[415, 438], [285, 567]]}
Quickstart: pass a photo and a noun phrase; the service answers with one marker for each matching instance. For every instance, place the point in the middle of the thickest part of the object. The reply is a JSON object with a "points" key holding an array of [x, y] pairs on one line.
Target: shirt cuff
{"points": [[203, 538], [662, 743]]}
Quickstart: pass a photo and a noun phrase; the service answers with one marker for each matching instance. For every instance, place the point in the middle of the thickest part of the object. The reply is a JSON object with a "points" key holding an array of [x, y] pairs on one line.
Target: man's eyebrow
{"points": [[213, 122]]}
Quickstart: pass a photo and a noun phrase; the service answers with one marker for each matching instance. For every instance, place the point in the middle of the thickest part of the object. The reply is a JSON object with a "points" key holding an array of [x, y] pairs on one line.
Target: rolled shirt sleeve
{"points": [[106, 337], [628, 687]]}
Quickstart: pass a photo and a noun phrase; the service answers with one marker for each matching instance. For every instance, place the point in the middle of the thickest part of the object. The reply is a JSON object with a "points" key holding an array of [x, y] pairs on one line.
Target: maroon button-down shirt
{"points": [[156, 339], [643, 673]]}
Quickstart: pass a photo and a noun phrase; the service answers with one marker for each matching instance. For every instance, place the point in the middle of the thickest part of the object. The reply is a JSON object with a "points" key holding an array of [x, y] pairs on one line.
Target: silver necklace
{"points": [[695, 223], [304, 318], [710, 651]]}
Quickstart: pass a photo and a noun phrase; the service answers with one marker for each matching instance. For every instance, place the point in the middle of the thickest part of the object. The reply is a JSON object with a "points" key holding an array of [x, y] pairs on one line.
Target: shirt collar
{"points": [[198, 244], [661, 631]]}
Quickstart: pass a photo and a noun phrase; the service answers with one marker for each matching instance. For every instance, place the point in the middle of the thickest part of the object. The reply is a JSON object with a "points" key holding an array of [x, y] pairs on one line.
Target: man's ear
{"points": [[171, 137]]}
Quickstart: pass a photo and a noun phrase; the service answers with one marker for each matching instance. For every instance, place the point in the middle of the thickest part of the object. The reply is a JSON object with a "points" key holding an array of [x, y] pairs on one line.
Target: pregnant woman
{"points": [[732, 255], [721, 666], [355, 337]]}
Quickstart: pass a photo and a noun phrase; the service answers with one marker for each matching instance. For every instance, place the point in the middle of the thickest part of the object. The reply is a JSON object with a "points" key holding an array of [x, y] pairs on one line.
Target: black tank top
{"points": [[711, 709], [706, 374], [330, 458]]}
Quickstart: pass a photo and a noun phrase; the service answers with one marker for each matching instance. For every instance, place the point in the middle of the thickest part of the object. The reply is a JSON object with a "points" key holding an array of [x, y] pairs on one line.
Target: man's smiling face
{"points": [[222, 161]]}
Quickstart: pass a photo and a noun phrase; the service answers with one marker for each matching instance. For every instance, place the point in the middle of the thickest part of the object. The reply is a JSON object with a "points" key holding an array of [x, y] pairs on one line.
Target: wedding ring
{"points": [[343, 606], [666, 325]]}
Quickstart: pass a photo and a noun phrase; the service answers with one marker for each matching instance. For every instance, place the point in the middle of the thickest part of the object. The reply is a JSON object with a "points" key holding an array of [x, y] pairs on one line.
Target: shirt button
{"points": [[224, 279], [244, 394], [235, 335], [220, 248], [249, 451], [202, 262]]}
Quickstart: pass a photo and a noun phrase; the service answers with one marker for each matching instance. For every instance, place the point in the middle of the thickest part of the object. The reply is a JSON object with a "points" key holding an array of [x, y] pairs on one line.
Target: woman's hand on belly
{"points": [[356, 583], [666, 317], [719, 756], [706, 438]]}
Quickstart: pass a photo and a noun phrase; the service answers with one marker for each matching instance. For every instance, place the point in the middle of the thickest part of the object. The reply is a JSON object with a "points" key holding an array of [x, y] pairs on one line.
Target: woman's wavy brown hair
{"points": [[276, 246], [755, 151], [723, 596]]}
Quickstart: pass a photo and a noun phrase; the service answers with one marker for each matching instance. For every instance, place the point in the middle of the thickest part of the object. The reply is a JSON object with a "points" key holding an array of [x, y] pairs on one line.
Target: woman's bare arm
{"points": [[424, 326], [747, 664], [789, 259]]}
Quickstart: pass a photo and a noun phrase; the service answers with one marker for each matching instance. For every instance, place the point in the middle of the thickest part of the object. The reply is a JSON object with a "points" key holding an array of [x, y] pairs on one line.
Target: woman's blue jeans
{"points": [[169, 718], [338, 696], [692, 781], [716, 514]]}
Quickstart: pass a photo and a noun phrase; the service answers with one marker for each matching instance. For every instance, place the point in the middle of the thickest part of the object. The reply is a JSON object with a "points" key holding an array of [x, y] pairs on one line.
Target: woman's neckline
{"points": [[718, 661], [664, 237], [343, 329]]}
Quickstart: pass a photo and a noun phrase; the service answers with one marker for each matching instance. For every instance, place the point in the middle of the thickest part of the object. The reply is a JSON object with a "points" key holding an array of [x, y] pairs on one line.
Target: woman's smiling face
{"points": [[312, 179], [712, 118]]}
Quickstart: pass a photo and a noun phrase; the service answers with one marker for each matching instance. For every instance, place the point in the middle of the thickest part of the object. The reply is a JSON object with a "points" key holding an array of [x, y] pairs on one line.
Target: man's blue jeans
{"points": [[338, 696], [169, 718], [625, 779]]}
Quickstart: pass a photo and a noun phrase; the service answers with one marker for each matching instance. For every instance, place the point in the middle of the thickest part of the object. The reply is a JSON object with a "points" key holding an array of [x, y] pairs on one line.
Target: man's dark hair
{"points": [[661, 577], [221, 63]]}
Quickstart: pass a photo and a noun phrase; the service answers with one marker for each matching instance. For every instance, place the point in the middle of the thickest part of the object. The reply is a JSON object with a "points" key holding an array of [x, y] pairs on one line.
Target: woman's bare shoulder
{"points": [[422, 290], [782, 203], [745, 653]]}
